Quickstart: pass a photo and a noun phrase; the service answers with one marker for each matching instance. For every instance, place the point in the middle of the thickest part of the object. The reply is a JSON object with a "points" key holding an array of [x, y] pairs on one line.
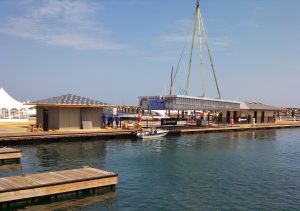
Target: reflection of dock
{"points": [[72, 204], [236, 128], [9, 154], [54, 184], [11, 166]]}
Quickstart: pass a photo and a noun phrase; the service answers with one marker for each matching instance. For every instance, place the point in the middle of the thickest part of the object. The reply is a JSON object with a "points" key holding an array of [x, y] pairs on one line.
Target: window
{"points": [[4, 113], [23, 113], [14, 113]]}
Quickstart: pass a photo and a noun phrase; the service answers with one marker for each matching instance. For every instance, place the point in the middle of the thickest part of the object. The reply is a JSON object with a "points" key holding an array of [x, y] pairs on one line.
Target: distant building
{"points": [[69, 112], [262, 113], [182, 102], [239, 112], [186, 104]]}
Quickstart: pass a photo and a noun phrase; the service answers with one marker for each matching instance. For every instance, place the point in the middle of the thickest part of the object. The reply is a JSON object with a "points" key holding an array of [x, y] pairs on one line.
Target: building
{"points": [[262, 113], [69, 112], [182, 103], [239, 112]]}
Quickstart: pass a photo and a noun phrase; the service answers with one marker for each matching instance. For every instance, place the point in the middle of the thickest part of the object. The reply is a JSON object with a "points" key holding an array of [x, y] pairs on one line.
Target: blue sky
{"points": [[117, 50]]}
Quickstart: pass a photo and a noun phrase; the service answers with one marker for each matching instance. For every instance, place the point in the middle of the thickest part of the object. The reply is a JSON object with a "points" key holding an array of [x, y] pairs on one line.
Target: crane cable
{"points": [[191, 56], [177, 67], [208, 50], [202, 71]]}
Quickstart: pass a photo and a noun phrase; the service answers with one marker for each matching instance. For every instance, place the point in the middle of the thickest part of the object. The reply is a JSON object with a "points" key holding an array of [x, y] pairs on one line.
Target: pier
{"points": [[53, 184], [9, 155]]}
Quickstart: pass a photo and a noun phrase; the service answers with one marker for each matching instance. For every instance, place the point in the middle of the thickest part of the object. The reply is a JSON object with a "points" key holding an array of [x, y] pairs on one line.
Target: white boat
{"points": [[153, 133]]}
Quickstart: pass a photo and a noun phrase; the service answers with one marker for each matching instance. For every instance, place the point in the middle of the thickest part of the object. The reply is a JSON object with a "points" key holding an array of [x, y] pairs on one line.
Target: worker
{"points": [[117, 118], [104, 119], [140, 118]]}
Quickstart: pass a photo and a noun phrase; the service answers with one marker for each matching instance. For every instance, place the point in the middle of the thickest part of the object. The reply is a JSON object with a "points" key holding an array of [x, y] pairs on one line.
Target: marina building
{"points": [[239, 112], [262, 113], [182, 104], [69, 111]]}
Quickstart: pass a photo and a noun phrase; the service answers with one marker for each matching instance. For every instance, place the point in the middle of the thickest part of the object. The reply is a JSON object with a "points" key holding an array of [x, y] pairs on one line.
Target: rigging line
{"points": [[210, 58], [191, 55], [201, 50], [180, 58], [171, 83]]}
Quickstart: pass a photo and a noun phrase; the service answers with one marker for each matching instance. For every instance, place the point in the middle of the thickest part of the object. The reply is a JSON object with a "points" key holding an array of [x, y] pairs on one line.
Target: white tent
{"points": [[10, 109]]}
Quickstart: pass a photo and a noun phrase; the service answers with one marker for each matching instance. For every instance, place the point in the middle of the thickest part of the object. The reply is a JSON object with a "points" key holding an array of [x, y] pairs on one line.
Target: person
{"points": [[202, 115], [104, 119], [117, 118], [208, 117], [139, 118], [111, 121]]}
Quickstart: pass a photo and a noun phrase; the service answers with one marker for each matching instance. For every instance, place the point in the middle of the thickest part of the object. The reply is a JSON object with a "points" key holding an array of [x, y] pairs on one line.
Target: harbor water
{"points": [[252, 170]]}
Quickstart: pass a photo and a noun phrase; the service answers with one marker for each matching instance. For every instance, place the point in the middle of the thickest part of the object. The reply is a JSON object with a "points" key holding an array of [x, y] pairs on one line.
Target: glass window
{"points": [[23, 113], [14, 113], [4, 113]]}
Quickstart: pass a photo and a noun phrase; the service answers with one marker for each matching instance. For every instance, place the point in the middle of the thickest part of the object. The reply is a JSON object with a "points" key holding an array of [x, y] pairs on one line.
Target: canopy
{"points": [[11, 109], [6, 101]]}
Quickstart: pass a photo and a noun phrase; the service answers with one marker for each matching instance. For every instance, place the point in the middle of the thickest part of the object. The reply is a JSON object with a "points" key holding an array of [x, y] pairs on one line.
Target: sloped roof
{"points": [[70, 100], [6, 101], [258, 106]]}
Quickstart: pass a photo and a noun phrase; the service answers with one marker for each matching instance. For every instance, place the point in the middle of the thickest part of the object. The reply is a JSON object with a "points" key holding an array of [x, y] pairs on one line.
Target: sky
{"points": [[117, 50]]}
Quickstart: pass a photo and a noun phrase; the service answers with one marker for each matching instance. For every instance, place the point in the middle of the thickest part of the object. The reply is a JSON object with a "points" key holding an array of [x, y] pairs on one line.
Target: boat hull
{"points": [[148, 135]]}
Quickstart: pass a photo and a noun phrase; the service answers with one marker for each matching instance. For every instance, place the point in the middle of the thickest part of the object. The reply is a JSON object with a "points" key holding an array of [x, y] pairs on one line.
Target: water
{"points": [[257, 170]]}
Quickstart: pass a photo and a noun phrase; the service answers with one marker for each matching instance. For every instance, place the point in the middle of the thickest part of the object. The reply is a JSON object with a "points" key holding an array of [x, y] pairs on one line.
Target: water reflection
{"points": [[75, 204], [11, 167], [261, 134], [68, 155]]}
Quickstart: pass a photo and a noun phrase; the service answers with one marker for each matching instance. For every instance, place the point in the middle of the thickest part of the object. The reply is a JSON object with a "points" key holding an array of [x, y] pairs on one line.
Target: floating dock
{"points": [[9, 155], [54, 184]]}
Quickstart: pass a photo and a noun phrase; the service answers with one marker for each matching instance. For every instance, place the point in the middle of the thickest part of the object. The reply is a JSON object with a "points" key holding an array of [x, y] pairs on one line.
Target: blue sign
{"points": [[156, 104]]}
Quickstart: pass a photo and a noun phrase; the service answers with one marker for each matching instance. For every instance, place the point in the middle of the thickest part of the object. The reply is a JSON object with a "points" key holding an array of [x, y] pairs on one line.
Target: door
{"points": [[228, 116], [46, 119], [235, 119], [255, 116], [262, 117]]}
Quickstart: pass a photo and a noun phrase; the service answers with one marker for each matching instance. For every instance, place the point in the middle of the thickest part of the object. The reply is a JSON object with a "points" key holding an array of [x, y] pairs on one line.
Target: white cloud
{"points": [[184, 32], [222, 42], [62, 23]]}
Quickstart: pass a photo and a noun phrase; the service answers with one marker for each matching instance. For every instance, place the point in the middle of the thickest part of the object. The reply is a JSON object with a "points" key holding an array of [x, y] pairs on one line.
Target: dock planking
{"points": [[9, 154], [32, 186]]}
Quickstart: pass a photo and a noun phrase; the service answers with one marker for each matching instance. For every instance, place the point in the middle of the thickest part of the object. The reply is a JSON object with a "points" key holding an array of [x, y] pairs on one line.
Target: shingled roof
{"points": [[70, 99], [258, 106]]}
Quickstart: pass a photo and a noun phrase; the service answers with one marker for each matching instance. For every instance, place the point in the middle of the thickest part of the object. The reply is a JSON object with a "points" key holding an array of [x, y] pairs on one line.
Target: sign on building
{"points": [[156, 104]]}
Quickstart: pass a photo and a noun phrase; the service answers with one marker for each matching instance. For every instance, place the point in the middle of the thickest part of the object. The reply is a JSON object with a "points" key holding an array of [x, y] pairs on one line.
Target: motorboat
{"points": [[153, 133]]}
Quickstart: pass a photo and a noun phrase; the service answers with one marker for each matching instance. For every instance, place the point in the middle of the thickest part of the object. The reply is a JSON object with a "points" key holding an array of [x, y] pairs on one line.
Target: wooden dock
{"points": [[61, 136], [53, 184], [9, 154], [44, 137]]}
